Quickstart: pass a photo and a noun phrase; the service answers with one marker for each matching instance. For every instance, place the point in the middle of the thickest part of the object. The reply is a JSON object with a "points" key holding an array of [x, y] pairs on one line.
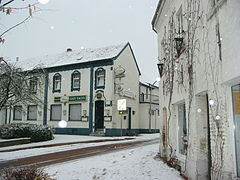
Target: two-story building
{"points": [[82, 89], [200, 86]]}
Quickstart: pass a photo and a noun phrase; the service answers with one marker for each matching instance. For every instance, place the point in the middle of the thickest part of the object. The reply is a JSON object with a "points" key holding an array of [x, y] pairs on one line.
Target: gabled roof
{"points": [[71, 57]]}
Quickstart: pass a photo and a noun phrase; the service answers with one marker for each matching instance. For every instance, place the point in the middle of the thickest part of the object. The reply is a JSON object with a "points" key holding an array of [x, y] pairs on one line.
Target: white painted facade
{"points": [[90, 107], [212, 131]]}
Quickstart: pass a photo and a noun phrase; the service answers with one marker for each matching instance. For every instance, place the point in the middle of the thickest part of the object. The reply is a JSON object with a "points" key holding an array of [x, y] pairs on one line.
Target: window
{"points": [[56, 112], [57, 83], [75, 112], [100, 78], [180, 20], [33, 85], [17, 113], [76, 79], [32, 112], [182, 129], [215, 2], [236, 116]]}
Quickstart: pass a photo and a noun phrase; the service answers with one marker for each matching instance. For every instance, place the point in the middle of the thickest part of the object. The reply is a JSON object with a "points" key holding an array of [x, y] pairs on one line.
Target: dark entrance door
{"points": [[129, 117], [99, 114]]}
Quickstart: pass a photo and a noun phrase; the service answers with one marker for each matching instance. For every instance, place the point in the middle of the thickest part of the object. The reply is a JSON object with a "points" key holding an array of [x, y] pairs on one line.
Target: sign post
{"points": [[122, 106]]}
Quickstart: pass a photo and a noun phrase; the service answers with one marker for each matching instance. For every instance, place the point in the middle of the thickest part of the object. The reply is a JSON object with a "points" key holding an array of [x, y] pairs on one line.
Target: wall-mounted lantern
{"points": [[179, 42], [160, 68]]}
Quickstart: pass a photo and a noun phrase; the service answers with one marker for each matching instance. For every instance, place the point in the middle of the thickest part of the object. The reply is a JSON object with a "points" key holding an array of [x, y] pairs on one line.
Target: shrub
{"points": [[24, 173], [19, 130]]}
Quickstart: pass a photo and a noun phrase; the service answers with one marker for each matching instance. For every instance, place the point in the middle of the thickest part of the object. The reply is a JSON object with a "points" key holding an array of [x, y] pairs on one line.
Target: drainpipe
{"points": [[209, 141]]}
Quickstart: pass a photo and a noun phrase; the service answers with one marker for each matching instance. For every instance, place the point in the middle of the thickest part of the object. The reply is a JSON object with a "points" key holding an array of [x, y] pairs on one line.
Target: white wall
{"points": [[212, 76]]}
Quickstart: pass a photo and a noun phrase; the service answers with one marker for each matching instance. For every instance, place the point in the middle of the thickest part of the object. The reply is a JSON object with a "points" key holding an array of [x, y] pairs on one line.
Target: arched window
{"points": [[57, 82], [100, 78], [76, 79]]}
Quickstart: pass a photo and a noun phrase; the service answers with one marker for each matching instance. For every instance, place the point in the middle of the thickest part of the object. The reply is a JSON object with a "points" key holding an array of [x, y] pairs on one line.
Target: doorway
{"points": [[99, 115]]}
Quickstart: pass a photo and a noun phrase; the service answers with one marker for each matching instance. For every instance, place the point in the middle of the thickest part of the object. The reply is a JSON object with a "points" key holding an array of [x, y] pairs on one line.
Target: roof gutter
{"points": [[156, 15]]}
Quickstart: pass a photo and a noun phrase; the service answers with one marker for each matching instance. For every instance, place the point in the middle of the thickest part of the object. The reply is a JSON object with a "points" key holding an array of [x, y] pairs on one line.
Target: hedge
{"points": [[19, 130]]}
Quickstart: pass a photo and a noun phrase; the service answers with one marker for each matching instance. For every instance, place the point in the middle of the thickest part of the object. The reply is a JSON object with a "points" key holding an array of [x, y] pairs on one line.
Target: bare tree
{"points": [[18, 86], [7, 9]]}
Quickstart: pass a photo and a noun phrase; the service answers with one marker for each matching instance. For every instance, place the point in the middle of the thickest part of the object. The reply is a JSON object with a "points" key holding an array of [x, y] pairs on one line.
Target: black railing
{"points": [[146, 98]]}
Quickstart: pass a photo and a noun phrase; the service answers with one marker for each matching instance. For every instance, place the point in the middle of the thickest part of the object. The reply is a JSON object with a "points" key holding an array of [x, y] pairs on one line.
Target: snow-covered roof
{"points": [[69, 57]]}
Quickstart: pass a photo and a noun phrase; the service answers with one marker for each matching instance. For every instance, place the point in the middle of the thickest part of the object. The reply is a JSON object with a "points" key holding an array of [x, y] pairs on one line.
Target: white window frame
{"points": [[100, 75], [33, 85], [57, 82], [79, 113], [182, 139], [59, 113], [17, 113], [76, 80], [33, 112]]}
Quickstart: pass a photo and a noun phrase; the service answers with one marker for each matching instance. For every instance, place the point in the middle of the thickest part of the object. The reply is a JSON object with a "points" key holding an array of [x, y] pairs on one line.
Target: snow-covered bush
{"points": [[19, 130], [24, 173]]}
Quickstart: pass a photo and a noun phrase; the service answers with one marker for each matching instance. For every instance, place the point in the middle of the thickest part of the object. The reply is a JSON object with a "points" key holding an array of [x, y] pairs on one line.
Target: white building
{"points": [[200, 87], [82, 87]]}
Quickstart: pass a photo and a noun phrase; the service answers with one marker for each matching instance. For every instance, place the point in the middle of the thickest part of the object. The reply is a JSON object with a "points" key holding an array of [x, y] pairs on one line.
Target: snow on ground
{"points": [[136, 163], [133, 164], [63, 139]]}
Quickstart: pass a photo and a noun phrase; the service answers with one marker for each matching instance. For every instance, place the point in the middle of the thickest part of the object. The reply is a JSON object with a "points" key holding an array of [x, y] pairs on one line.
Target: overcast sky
{"points": [[85, 23]]}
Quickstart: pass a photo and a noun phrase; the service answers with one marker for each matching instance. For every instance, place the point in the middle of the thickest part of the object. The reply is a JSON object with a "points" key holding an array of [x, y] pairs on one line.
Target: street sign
{"points": [[122, 105]]}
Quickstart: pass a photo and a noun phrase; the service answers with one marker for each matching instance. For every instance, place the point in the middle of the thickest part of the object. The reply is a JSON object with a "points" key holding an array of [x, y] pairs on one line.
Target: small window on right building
{"points": [[182, 129], [236, 117]]}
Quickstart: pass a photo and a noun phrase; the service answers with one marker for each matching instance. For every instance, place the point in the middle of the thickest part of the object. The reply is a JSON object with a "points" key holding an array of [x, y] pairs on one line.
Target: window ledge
{"points": [[56, 91], [214, 9], [75, 89], [100, 87]]}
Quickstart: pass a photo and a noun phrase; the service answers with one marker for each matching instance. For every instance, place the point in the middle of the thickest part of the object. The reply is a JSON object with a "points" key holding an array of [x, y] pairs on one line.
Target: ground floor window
{"points": [[236, 115], [17, 113], [182, 129], [56, 112], [32, 112], [75, 112]]}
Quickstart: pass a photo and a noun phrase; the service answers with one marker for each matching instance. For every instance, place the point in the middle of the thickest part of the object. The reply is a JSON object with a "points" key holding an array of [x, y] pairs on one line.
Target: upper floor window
{"points": [[76, 79], [179, 20], [33, 85], [99, 78], [17, 113], [57, 83], [215, 2]]}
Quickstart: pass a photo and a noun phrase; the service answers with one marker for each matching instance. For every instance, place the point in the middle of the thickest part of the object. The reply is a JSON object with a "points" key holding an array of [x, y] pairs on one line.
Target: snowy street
{"points": [[135, 161]]}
